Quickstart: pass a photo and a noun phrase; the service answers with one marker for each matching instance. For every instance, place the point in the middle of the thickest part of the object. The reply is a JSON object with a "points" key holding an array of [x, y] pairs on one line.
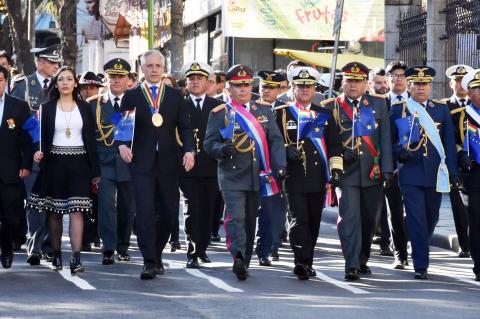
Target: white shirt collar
{"points": [[393, 96], [2, 98], [457, 99], [247, 106], [41, 79], [193, 97], [2, 107], [150, 84], [351, 100], [112, 97]]}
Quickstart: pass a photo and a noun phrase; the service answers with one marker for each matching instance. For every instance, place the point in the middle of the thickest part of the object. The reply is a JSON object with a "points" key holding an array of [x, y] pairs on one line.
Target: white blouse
{"points": [[68, 121]]}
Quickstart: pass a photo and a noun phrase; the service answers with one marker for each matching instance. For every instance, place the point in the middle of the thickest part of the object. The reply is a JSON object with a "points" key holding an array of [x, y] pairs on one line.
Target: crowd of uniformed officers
{"points": [[381, 150]]}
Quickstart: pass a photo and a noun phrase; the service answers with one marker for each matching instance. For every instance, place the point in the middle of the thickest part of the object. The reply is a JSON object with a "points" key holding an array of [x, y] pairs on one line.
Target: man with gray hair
{"points": [[153, 158]]}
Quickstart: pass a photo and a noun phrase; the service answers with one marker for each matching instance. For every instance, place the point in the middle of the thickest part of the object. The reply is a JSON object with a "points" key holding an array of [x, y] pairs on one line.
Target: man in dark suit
{"points": [[273, 209], [200, 185], [423, 139], [397, 82], [243, 137], [31, 89], [116, 201], [154, 160], [457, 104], [15, 164], [312, 158], [367, 162]]}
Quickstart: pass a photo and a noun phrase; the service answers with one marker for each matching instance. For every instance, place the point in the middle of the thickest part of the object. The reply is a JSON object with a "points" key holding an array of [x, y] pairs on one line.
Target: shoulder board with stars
{"points": [[281, 107], [261, 103], [378, 95], [328, 101], [219, 108], [438, 102], [445, 100]]}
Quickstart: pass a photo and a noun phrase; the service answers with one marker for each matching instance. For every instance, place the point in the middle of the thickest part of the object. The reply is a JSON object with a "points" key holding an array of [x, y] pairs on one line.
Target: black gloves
{"points": [[404, 155], [336, 177], [293, 153], [454, 181], [464, 160], [387, 178], [228, 149], [350, 155]]}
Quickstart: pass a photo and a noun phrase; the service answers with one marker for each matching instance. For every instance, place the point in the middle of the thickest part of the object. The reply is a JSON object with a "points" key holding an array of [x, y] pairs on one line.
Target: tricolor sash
{"points": [[153, 103], [426, 121], [471, 143], [254, 130], [375, 173], [305, 129]]}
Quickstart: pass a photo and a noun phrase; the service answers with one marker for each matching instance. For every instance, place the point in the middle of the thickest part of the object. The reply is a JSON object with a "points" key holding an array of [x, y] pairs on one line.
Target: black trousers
{"points": [[12, 198], [200, 194], [219, 209], [460, 218], [305, 216], [474, 219], [156, 198], [396, 219]]}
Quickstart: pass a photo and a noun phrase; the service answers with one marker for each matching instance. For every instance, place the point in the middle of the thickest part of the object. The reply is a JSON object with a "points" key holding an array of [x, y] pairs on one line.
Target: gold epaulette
{"points": [[377, 95], [327, 101], [262, 103], [458, 110], [281, 107], [445, 100], [92, 98], [336, 162], [219, 108], [438, 102]]}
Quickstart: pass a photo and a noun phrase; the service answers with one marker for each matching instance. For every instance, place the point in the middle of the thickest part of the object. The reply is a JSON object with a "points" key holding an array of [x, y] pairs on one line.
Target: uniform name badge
{"points": [[157, 119]]}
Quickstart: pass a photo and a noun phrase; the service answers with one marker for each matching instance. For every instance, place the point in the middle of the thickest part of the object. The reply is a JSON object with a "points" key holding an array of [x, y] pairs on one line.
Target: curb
{"points": [[439, 239]]}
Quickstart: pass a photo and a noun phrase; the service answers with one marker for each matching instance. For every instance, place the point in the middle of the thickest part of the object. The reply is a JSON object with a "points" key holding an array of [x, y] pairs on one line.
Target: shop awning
{"points": [[325, 59]]}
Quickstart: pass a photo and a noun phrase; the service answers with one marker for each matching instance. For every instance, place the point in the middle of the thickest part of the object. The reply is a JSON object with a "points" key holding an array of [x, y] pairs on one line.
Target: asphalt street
{"points": [[115, 291]]}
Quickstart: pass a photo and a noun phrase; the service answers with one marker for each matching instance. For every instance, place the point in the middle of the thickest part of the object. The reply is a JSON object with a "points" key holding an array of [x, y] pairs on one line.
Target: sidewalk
{"points": [[444, 237]]}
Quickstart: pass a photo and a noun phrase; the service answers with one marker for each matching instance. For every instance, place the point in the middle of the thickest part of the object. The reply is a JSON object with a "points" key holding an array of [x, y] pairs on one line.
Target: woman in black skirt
{"points": [[68, 164]]}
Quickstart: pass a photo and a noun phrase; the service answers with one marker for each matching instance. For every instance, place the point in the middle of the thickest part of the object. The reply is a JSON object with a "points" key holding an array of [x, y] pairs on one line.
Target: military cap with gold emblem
{"points": [[270, 78], [90, 78], [471, 80], [420, 74], [303, 75], [239, 74], [50, 53], [458, 71], [117, 66], [195, 67], [355, 71]]}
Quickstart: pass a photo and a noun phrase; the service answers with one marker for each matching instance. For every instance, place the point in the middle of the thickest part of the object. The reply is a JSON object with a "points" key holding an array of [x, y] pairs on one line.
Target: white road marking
{"points": [[339, 284], [77, 281], [213, 280]]}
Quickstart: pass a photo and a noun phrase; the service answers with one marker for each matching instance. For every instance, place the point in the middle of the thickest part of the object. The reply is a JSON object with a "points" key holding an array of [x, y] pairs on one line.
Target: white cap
{"points": [[196, 67], [303, 75], [458, 71], [471, 80]]}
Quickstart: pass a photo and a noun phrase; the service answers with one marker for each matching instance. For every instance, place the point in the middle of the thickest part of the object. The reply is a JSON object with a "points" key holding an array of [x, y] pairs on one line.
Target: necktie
{"points": [[153, 89], [198, 106], [463, 102], [45, 83], [115, 105], [355, 103], [399, 97]]}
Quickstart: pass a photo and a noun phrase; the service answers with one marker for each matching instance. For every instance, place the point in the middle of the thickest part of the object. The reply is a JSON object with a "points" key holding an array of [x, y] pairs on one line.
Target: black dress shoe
{"points": [[312, 272], [34, 259], [386, 252], [239, 269], [57, 260], [216, 238], [174, 246], [400, 264], [421, 275], [7, 260], [148, 272], [264, 262], [365, 270], [108, 257], [159, 269], [464, 254], [76, 265], [192, 263], [301, 271], [275, 256], [123, 256], [352, 274], [205, 259]]}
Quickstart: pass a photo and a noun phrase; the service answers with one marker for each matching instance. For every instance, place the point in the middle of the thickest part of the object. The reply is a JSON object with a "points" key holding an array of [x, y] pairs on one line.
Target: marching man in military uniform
{"points": [[456, 104], [367, 163], [273, 209], [314, 157], [31, 89], [116, 201], [200, 185], [424, 147], [469, 160], [243, 136]]}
